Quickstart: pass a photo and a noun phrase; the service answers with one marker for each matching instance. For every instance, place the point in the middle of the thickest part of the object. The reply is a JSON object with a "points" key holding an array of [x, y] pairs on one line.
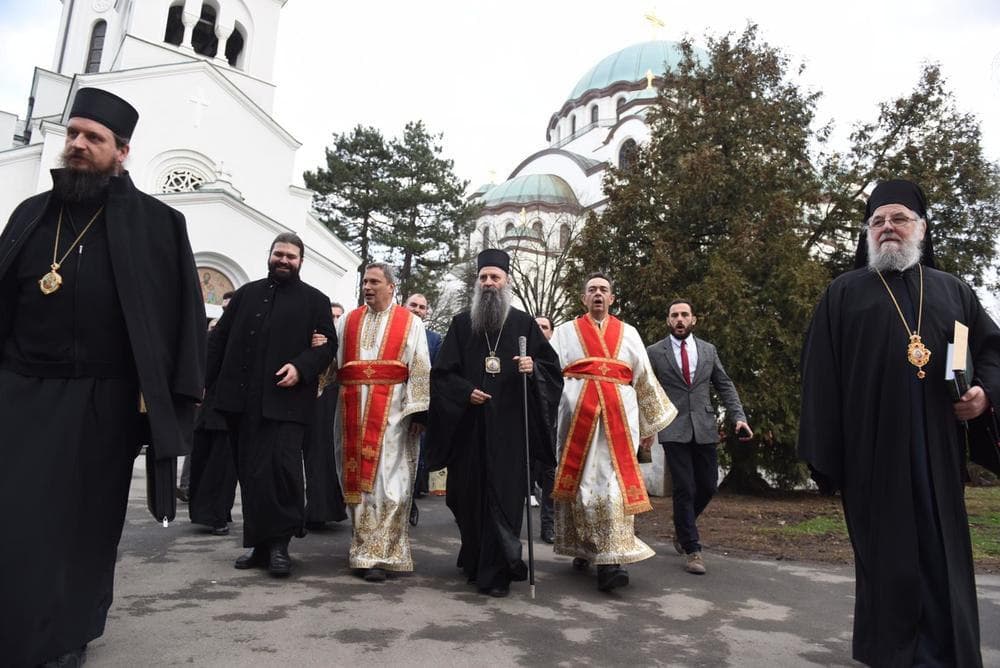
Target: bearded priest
{"points": [[611, 402], [476, 423]]}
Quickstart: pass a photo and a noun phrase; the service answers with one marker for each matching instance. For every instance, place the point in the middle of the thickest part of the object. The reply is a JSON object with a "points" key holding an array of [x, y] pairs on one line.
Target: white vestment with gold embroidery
{"points": [[595, 526], [380, 536]]}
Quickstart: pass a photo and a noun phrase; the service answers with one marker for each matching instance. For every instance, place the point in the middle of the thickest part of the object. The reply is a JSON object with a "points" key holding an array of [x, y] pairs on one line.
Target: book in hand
{"points": [[984, 431]]}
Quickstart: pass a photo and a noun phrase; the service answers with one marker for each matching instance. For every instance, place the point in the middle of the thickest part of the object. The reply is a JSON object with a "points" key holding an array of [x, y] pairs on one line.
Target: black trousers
{"points": [[694, 469], [545, 476]]}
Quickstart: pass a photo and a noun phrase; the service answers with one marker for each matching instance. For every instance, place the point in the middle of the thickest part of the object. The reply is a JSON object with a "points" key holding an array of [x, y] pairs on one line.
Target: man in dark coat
{"points": [[324, 498], [264, 374], [476, 423], [879, 425], [418, 306], [98, 297]]}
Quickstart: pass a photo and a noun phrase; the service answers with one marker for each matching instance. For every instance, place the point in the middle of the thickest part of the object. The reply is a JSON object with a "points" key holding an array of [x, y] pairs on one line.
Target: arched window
{"points": [[175, 27], [181, 181], [618, 106], [96, 46], [234, 47], [564, 233], [536, 228], [203, 39], [593, 113], [626, 154], [486, 237], [508, 229], [572, 125]]}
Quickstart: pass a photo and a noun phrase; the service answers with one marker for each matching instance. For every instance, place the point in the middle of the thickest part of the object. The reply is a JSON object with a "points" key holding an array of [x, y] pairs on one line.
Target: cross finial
{"points": [[524, 216], [655, 22]]}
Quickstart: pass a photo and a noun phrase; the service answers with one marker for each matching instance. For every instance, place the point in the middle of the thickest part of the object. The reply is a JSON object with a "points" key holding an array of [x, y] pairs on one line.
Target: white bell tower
{"points": [[108, 35]]}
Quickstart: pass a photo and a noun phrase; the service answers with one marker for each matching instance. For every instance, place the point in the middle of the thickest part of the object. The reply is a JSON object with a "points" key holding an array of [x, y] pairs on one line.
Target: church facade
{"points": [[200, 74], [541, 206]]}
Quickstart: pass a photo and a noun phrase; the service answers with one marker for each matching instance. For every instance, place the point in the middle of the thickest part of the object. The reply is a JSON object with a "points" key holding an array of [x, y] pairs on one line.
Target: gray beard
{"points": [[894, 260], [78, 185], [489, 308]]}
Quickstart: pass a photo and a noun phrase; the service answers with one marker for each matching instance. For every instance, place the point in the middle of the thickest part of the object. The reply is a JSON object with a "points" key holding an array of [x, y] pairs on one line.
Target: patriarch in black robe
{"points": [[124, 313], [890, 439], [264, 374], [476, 424]]}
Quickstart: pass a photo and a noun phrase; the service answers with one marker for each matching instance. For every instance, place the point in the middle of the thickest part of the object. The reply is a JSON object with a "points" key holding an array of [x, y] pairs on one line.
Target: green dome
{"points": [[629, 65], [531, 189]]}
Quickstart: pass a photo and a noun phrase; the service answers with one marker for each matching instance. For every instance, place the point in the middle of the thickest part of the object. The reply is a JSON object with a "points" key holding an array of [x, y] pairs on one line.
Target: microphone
{"points": [[522, 346]]}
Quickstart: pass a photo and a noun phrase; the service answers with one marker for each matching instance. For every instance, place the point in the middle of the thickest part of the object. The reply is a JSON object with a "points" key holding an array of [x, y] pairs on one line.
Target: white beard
{"points": [[894, 259]]}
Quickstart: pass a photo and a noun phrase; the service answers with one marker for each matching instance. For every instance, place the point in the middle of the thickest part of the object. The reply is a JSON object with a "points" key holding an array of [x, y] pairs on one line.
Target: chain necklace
{"points": [[51, 281], [492, 361], [916, 352]]}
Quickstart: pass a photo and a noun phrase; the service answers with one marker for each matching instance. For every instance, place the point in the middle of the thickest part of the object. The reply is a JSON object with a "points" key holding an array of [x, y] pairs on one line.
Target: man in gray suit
{"points": [[685, 367]]}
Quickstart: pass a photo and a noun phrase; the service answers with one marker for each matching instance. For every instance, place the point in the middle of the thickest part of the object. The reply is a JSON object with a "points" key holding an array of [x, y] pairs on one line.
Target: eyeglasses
{"points": [[897, 221]]}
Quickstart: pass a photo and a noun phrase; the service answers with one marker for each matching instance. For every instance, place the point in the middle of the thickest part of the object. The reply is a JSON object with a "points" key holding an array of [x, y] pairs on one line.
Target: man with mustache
{"points": [[879, 424], [264, 374], [611, 403], [687, 368], [384, 373], [99, 297], [476, 423]]}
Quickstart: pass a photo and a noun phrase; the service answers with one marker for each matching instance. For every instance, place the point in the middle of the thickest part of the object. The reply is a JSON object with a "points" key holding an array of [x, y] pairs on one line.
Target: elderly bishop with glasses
{"points": [[881, 424]]}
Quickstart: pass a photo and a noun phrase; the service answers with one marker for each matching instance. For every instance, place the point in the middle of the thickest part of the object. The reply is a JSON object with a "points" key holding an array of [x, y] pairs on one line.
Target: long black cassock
{"points": [[324, 498], [213, 469], [129, 314], [483, 446], [891, 443], [270, 323]]}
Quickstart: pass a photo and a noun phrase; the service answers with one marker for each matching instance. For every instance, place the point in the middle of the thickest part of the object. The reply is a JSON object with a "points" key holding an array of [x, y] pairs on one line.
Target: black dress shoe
{"points": [[375, 575], [316, 526], [414, 514], [182, 494], [580, 564], [73, 659], [255, 558], [611, 577], [500, 591], [221, 530], [281, 563], [548, 535]]}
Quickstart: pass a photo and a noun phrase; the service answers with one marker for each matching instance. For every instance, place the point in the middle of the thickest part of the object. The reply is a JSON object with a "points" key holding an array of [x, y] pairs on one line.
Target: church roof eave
{"points": [[587, 166]]}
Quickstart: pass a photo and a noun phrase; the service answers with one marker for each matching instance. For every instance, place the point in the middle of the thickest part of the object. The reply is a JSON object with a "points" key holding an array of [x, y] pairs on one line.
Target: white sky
{"points": [[488, 74]]}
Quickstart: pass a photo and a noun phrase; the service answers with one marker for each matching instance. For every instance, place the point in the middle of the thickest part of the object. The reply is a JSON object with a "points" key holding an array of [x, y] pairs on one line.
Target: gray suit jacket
{"points": [[696, 417]]}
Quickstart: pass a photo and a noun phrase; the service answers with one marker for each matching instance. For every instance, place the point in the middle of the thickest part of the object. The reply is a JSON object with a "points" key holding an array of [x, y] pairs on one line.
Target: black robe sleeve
{"points": [[450, 392]]}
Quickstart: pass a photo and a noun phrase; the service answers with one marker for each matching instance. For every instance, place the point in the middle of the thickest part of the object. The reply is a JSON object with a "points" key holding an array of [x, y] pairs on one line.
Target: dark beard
{"points": [[278, 277], [78, 185], [489, 308]]}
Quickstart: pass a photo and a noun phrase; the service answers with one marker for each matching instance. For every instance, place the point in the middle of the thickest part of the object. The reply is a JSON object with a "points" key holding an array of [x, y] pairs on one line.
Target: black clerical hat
{"points": [[896, 191], [493, 257], [107, 109]]}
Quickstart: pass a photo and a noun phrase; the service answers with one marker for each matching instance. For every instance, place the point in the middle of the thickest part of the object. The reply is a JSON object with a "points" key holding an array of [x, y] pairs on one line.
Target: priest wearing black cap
{"points": [[879, 425], [476, 423], [99, 299]]}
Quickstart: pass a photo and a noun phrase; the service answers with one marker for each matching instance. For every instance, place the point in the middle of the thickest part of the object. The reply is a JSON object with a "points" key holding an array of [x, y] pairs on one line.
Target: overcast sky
{"points": [[489, 74]]}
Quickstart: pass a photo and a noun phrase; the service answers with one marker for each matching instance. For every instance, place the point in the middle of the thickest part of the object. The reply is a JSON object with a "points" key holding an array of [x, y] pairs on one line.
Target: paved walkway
{"points": [[180, 601]]}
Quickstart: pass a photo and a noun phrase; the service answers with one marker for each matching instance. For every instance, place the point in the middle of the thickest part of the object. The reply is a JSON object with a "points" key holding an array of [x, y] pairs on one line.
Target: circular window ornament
{"points": [[181, 181]]}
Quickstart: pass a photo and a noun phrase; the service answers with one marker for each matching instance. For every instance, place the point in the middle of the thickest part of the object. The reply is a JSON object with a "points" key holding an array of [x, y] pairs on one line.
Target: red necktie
{"points": [[685, 364]]}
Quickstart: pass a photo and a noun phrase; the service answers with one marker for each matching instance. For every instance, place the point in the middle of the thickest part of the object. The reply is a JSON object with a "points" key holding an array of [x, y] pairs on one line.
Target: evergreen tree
{"points": [[711, 209]]}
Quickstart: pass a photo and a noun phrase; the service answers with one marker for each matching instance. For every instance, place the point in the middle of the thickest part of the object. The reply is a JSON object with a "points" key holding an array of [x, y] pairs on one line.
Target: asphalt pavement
{"points": [[179, 601]]}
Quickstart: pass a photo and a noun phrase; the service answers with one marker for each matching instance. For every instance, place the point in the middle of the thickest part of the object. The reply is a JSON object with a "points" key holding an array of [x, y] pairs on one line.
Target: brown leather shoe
{"points": [[695, 564]]}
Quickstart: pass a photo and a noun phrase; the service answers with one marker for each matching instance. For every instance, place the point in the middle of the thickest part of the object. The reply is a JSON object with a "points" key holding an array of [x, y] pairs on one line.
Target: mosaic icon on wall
{"points": [[214, 284]]}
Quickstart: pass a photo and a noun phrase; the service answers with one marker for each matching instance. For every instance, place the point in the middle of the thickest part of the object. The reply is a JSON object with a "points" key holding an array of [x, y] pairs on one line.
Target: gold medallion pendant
{"points": [[492, 364], [918, 354], [51, 281]]}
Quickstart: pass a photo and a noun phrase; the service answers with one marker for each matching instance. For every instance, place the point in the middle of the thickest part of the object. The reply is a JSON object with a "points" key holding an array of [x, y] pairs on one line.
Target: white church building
{"points": [[200, 74]]}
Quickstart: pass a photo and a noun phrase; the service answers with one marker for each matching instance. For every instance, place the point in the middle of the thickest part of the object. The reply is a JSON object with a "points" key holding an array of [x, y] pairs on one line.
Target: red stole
{"points": [[600, 397], [363, 424]]}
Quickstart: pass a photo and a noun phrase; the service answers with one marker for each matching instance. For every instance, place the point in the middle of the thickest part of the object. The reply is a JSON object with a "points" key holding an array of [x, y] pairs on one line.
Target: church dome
{"points": [[531, 189], [629, 65]]}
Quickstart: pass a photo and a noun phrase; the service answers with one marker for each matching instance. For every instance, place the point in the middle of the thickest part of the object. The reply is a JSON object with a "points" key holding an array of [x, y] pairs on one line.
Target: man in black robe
{"points": [[264, 374], [476, 423], [324, 498], [119, 308], [878, 424]]}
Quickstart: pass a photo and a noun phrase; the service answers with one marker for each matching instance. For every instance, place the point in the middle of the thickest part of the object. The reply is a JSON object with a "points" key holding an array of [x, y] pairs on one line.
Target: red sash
{"points": [[600, 397], [363, 424]]}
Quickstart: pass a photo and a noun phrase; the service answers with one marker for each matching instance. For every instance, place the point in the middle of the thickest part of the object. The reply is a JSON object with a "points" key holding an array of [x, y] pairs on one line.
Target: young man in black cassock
{"points": [[99, 297], [476, 423], [878, 424], [264, 374]]}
